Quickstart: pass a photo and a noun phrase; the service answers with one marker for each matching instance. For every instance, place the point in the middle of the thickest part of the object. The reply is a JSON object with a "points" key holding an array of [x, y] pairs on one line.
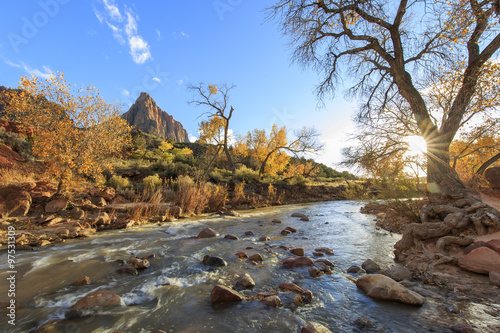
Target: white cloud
{"points": [[45, 73], [124, 29], [192, 138], [125, 92], [183, 34], [158, 35], [157, 79], [180, 82]]}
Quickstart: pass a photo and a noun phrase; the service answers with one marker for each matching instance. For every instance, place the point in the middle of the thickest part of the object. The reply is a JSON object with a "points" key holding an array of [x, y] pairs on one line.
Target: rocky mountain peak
{"points": [[145, 115]]}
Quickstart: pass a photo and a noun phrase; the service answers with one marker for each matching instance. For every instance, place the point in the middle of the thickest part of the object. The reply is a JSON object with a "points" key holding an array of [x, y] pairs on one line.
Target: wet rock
{"points": [[85, 232], [93, 302], [276, 221], [76, 213], [138, 263], [298, 251], [314, 272], [314, 328], [298, 215], [267, 293], [382, 287], [214, 261], [495, 278], [149, 256], [283, 247], [363, 323], [285, 232], [398, 273], [223, 294], [56, 205], [427, 293], [318, 254], [306, 294], [322, 267], [355, 270], [325, 250], [291, 262], [291, 229], [158, 331], [82, 281], [122, 224], [256, 257], [273, 301], [249, 233], [231, 237], [264, 238], [324, 261], [462, 328], [474, 246], [52, 326], [245, 281], [207, 233], [370, 266], [129, 270], [227, 212], [14, 201], [482, 260], [241, 254], [304, 218], [108, 193], [494, 244]]}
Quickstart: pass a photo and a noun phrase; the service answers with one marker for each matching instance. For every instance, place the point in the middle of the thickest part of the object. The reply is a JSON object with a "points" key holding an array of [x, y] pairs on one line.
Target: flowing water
{"points": [[174, 293]]}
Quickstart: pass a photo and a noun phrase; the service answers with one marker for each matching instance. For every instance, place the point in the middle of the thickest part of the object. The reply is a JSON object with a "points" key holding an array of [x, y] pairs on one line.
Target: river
{"points": [[173, 294]]}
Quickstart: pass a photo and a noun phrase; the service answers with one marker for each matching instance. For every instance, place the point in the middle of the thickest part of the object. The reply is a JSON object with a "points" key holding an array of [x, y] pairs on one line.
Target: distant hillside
{"points": [[149, 118]]}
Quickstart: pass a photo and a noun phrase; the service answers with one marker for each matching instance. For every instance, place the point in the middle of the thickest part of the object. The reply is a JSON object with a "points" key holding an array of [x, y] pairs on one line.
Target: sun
{"points": [[417, 145]]}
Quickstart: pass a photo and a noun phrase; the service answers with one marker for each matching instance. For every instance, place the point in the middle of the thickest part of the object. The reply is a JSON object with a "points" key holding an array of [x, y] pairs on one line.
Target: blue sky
{"points": [[125, 47]]}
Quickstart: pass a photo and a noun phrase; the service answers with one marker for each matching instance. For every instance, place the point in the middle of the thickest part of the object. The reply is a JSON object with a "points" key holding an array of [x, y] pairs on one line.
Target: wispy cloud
{"points": [[158, 35], [180, 82], [125, 92], [156, 79], [45, 73], [181, 34], [124, 29]]}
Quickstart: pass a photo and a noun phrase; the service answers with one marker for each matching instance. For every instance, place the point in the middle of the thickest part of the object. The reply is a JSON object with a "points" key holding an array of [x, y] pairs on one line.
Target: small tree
{"points": [[76, 131]]}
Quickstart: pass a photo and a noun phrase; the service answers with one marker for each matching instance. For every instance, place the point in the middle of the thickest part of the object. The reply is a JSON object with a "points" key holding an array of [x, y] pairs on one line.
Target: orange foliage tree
{"points": [[77, 132]]}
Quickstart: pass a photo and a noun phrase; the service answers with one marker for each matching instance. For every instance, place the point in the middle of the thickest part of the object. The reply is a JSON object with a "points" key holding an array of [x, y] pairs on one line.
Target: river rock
{"points": [[291, 229], [291, 262], [298, 251], [474, 246], [482, 260], [304, 218], [223, 294], [227, 212], [214, 261], [325, 250], [129, 270], [276, 221], [231, 237], [264, 238], [207, 233], [494, 244], [364, 324], [370, 266], [122, 224], [77, 213], [108, 193], [382, 287], [325, 261], [99, 201], [14, 201], [241, 254], [93, 302], [306, 294], [139, 263], [355, 270], [285, 232], [99, 219], [245, 281], [495, 278], [81, 282], [314, 272], [314, 328], [56, 205], [298, 215], [462, 328], [398, 273], [274, 301], [318, 254], [322, 267], [256, 257], [53, 326], [249, 233]]}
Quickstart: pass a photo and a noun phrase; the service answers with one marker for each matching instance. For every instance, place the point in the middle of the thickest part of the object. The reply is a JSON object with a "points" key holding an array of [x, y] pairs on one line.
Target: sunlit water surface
{"points": [[174, 293]]}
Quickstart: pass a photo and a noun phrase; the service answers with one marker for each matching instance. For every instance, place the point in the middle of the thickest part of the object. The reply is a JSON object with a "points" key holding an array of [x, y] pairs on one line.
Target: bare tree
{"points": [[391, 47]]}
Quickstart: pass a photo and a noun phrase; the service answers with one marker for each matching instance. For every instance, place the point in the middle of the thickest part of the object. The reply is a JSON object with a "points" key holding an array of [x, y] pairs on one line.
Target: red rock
{"points": [[318, 254], [314, 328], [123, 224], [494, 244], [314, 272], [56, 205], [474, 246], [108, 193], [297, 262], [382, 287], [223, 294], [256, 257], [94, 301], [495, 278], [285, 232], [276, 221], [324, 250], [14, 201], [298, 215], [127, 270], [306, 294], [241, 254], [139, 263], [207, 233], [249, 233], [231, 237], [482, 260], [264, 238], [492, 175], [291, 229], [304, 218], [245, 281], [298, 251], [274, 301], [81, 282]]}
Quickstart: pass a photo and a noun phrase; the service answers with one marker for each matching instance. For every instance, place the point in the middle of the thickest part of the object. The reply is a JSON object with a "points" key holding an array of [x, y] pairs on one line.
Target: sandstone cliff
{"points": [[148, 117]]}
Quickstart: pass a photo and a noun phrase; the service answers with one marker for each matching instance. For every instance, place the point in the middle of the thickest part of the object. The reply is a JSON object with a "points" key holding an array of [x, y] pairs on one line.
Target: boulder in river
{"points": [[214, 261], [482, 260], [231, 237], [129, 270], [291, 262], [306, 294], [370, 266], [398, 273], [315, 272], [139, 263], [92, 302], [298, 251], [207, 233], [256, 257], [382, 287], [273, 301], [314, 328], [245, 281], [298, 215], [82, 281], [223, 294], [325, 250], [355, 270]]}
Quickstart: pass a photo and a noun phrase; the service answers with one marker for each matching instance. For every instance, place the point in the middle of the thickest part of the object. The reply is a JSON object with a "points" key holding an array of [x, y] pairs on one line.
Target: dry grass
{"points": [[238, 194], [10, 176], [146, 205]]}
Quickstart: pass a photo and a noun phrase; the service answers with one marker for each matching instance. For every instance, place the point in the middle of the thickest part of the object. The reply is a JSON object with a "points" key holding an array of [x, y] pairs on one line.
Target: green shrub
{"points": [[152, 182], [247, 175], [17, 143], [118, 182]]}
